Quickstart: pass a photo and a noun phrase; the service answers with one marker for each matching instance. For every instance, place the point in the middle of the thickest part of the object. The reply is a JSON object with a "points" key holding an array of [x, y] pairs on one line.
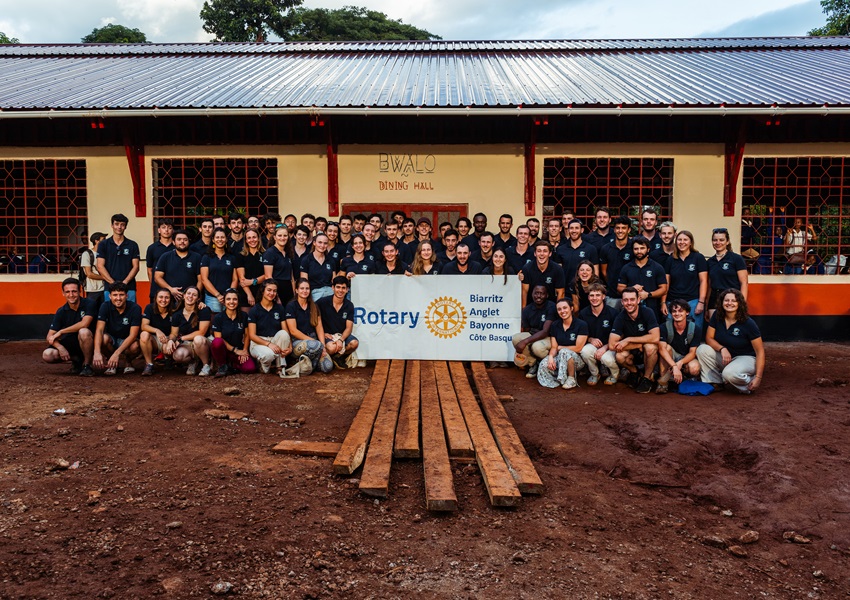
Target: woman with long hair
{"points": [[187, 343], [156, 326], [218, 271], [358, 262], [425, 260], [688, 278], [305, 327], [269, 341], [300, 246], [318, 269], [336, 251], [250, 270], [230, 344], [498, 265], [726, 270], [733, 351], [567, 337], [585, 276], [277, 264]]}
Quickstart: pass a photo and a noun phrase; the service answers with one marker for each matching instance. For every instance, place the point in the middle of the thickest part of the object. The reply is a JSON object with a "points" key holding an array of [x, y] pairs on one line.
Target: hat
{"points": [[750, 253], [423, 220]]}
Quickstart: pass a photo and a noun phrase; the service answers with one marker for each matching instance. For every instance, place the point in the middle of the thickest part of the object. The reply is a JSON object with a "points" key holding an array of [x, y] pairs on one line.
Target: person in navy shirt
{"points": [[70, 336], [358, 262], [117, 334], [277, 263], [187, 342], [532, 343], [250, 271], [202, 244], [425, 260], [218, 271], [337, 314], [613, 257], [504, 239], [229, 347], [567, 337], [688, 277], [304, 323], [543, 271], [318, 269], [156, 327], [391, 265], [179, 268], [602, 233], [680, 338], [270, 342], [574, 250], [634, 337], [733, 352], [645, 275], [726, 270], [157, 249], [600, 319], [521, 253], [118, 258], [462, 265]]}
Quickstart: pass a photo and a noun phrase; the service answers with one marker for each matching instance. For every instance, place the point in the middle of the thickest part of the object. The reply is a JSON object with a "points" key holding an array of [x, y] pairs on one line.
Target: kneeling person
{"points": [[305, 326], [270, 342], [599, 317], [532, 343], [635, 333], [567, 337], [230, 347], [188, 342], [337, 314], [678, 347], [118, 324], [70, 338]]}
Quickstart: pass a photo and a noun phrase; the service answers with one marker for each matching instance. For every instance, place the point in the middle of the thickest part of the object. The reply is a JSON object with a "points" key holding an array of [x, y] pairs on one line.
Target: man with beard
{"points": [[602, 233], [574, 250], [533, 230], [634, 339], [645, 275], [450, 242], [504, 239], [462, 265], [522, 252], [485, 250], [179, 268], [613, 256]]}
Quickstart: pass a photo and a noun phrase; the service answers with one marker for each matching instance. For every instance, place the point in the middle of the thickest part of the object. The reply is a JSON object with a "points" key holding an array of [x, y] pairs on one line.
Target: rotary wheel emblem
{"points": [[445, 317]]}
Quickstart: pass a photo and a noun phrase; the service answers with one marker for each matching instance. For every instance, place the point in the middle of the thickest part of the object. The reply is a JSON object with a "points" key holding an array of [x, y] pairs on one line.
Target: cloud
{"points": [[794, 20]]}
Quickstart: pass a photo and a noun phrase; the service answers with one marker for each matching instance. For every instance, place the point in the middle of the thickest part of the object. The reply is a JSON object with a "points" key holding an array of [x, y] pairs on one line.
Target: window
{"points": [[43, 215], [187, 189], [795, 216], [581, 185]]}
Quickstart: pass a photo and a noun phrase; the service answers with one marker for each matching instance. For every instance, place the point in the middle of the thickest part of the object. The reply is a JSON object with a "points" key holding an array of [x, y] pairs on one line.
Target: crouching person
{"points": [[230, 347], [269, 339], [678, 347], [118, 324], [69, 339], [634, 338], [187, 343], [567, 337], [532, 343], [599, 317], [305, 326], [337, 315]]}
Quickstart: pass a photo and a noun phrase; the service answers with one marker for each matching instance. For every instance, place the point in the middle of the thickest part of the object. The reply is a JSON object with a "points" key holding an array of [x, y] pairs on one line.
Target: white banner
{"points": [[452, 317]]}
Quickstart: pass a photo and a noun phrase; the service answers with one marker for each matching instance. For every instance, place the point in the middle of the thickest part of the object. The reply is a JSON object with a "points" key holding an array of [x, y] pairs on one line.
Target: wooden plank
{"points": [[375, 480], [353, 448], [439, 488], [460, 444], [505, 435], [302, 448], [407, 430], [500, 484]]}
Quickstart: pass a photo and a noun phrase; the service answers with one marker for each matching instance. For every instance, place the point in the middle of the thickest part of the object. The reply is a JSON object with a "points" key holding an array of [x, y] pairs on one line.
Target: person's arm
{"points": [[603, 269], [703, 293], [581, 340], [88, 268], [665, 354], [128, 341], [758, 346], [104, 273], [575, 301], [524, 297], [83, 323], [159, 278], [150, 271], [253, 337], [207, 284], [559, 293], [294, 333], [97, 359], [621, 287], [234, 279], [349, 327], [536, 337], [320, 329], [553, 352], [133, 271]]}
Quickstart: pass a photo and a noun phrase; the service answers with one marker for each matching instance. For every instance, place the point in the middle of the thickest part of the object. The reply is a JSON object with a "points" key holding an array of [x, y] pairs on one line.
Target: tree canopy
{"points": [[837, 18], [115, 34], [352, 23], [5, 39], [247, 20]]}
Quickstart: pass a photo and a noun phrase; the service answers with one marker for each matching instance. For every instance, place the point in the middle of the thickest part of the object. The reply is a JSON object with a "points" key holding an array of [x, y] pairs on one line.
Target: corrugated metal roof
{"points": [[596, 73]]}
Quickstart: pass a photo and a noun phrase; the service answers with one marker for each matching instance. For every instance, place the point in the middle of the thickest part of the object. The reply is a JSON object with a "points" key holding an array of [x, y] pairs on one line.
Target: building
{"points": [[700, 128]]}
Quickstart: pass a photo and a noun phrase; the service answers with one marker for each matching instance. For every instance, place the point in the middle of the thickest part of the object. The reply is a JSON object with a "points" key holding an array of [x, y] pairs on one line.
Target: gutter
{"points": [[314, 111]]}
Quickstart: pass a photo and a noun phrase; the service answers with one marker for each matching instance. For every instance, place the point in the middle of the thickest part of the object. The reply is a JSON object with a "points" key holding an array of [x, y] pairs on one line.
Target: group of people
{"points": [[267, 293]]}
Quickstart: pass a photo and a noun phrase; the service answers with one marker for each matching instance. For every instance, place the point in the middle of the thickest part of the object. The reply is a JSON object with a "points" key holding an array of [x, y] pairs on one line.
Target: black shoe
{"points": [[76, 367], [86, 371], [340, 361], [645, 386], [633, 379], [222, 371]]}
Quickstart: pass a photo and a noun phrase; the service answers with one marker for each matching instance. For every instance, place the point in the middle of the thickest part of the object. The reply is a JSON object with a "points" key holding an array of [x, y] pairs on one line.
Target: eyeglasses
{"points": [[720, 230], [231, 291]]}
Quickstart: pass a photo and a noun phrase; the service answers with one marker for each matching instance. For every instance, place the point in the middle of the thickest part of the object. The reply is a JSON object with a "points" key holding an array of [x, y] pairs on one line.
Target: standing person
{"points": [[202, 244], [585, 277], [602, 232], [504, 239], [613, 257], [600, 319], [290, 221], [733, 351], [567, 337], [305, 326], [300, 248], [485, 249], [270, 343], [532, 343], [69, 338], [391, 265], [553, 233], [254, 223], [498, 265], [218, 222], [308, 220], [543, 271], [187, 343], [179, 268], [118, 258], [156, 327], [318, 269], [358, 262], [218, 271], [345, 227], [270, 222], [425, 261], [663, 256], [645, 275], [404, 255], [250, 271], [449, 251], [277, 265], [462, 265], [163, 244], [117, 333], [634, 338], [371, 245], [321, 224], [337, 313], [688, 277], [678, 347], [235, 240], [648, 229], [335, 251], [88, 265], [574, 250], [521, 253], [725, 269], [409, 236], [796, 241], [229, 347], [533, 225], [357, 223], [463, 226]]}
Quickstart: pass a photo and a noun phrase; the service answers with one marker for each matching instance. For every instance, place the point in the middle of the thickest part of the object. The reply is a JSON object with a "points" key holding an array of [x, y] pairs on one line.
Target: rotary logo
{"points": [[445, 317]]}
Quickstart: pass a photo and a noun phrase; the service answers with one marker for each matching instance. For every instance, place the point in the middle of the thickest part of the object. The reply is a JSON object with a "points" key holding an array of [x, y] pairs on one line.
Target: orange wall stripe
{"points": [[43, 297]]}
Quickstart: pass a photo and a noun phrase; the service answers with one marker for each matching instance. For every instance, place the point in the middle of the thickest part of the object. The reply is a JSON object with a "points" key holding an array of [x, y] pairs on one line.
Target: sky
{"points": [[58, 21]]}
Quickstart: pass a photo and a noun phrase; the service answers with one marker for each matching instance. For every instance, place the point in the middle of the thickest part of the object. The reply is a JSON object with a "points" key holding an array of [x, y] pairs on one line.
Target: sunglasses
{"points": [[720, 230]]}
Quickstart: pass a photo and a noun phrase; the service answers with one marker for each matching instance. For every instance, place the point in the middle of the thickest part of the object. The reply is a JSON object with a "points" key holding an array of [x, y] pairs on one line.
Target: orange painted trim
{"points": [[44, 297], [804, 299]]}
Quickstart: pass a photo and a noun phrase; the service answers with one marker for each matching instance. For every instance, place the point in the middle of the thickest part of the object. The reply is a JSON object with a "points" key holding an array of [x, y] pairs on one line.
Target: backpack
{"points": [[689, 335], [82, 273]]}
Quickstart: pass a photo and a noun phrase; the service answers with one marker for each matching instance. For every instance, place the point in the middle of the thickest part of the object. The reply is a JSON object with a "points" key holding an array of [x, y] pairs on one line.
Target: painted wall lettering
{"points": [[405, 164]]}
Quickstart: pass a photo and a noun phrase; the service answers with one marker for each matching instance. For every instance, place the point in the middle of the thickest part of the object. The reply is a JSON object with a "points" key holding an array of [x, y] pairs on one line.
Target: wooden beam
{"points": [[498, 480], [439, 488], [506, 436], [460, 444], [354, 445], [375, 480], [301, 448], [407, 431]]}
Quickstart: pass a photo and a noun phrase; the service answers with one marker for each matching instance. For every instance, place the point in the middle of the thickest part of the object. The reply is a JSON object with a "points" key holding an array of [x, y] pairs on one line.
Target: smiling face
{"points": [[303, 289], [426, 252], [499, 259], [730, 304], [231, 301], [486, 244], [565, 311], [300, 237], [369, 232], [320, 243], [719, 241], [667, 234], [539, 295], [163, 299], [358, 245], [219, 240], [621, 231], [585, 272], [648, 221], [630, 302], [479, 222], [683, 243], [554, 229], [505, 224], [252, 239], [463, 228], [281, 237], [603, 219], [595, 298], [574, 230], [462, 254], [190, 296], [270, 291]]}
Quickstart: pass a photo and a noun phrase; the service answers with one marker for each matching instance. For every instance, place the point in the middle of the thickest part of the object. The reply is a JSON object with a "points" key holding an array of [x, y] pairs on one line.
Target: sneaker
{"points": [[192, 369], [128, 370], [532, 371], [222, 371], [86, 371], [611, 380], [340, 361], [76, 367], [633, 379], [148, 370], [644, 386], [570, 383], [206, 370], [110, 371], [661, 388], [593, 380], [361, 363]]}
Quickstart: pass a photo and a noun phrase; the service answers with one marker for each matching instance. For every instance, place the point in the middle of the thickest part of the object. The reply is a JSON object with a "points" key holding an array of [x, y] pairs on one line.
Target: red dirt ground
{"points": [[644, 494]]}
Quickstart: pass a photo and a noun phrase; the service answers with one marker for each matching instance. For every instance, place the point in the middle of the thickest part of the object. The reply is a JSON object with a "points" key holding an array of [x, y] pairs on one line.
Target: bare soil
{"points": [[135, 493]]}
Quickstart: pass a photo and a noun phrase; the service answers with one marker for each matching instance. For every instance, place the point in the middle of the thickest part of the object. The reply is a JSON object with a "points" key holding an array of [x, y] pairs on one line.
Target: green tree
{"points": [[837, 18], [248, 20], [115, 34], [5, 39], [352, 23]]}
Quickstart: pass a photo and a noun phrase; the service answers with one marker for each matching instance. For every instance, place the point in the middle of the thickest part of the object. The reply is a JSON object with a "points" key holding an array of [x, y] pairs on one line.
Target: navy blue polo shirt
{"points": [[533, 318], [404, 253], [615, 258], [232, 331], [517, 260], [679, 341], [180, 271], [184, 327], [568, 336], [571, 257], [152, 256], [267, 321], [684, 276], [220, 270], [119, 259], [599, 327], [599, 241], [364, 267], [293, 310], [236, 245], [435, 268], [68, 317], [552, 278], [723, 273], [118, 324], [642, 324], [318, 274], [252, 263], [738, 338], [399, 269], [156, 320], [333, 320], [281, 264], [651, 276], [473, 268], [472, 241], [199, 246], [498, 242], [656, 244], [336, 254], [662, 258]]}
